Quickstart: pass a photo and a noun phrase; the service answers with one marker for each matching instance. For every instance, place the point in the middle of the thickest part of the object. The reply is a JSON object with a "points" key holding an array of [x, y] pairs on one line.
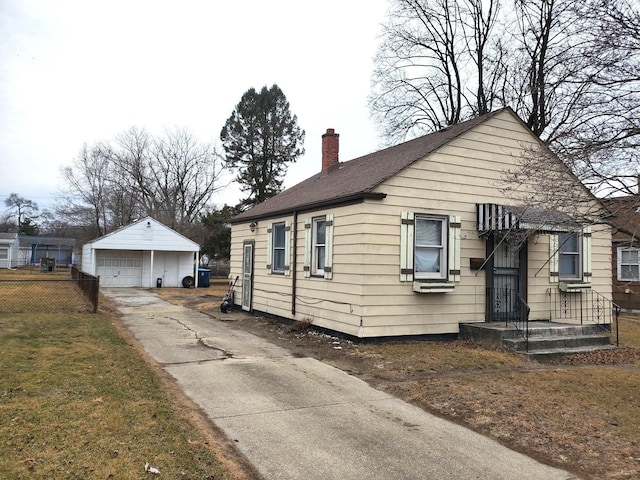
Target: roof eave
{"points": [[340, 201]]}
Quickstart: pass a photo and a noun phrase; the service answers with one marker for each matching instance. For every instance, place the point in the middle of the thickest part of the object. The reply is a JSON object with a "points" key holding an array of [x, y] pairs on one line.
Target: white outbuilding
{"points": [[143, 254], [8, 250]]}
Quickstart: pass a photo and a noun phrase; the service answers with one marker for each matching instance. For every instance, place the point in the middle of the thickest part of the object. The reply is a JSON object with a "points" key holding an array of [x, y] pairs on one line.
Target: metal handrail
{"points": [[618, 309], [587, 306], [522, 324], [513, 310]]}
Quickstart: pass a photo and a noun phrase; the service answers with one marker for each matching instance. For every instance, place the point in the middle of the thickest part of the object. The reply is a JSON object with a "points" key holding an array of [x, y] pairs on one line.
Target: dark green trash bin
{"points": [[204, 276]]}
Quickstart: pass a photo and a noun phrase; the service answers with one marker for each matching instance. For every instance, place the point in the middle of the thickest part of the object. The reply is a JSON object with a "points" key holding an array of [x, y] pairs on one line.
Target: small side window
{"points": [[278, 243], [318, 245], [628, 264], [570, 256]]}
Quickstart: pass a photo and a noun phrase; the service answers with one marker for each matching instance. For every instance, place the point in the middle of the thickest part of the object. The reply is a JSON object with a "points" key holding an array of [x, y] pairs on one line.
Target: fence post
{"points": [[96, 293]]}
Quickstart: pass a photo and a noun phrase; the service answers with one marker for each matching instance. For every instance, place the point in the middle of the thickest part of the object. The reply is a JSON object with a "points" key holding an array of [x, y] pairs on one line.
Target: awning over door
{"points": [[503, 218]]}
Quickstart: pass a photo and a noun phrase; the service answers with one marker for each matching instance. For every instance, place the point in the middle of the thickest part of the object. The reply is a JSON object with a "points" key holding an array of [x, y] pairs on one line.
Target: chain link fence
{"points": [[33, 291]]}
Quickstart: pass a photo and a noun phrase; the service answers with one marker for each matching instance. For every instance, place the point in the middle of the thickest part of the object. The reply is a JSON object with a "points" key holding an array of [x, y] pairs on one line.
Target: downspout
{"points": [[294, 263]]}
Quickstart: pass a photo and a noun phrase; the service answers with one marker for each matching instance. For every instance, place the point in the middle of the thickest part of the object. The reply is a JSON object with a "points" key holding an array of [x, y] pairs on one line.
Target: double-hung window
{"points": [[629, 264], [279, 248], [570, 256], [278, 232], [430, 256], [318, 248], [430, 251]]}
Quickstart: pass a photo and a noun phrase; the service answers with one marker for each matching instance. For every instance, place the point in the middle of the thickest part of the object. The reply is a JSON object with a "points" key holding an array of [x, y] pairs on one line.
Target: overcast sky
{"points": [[80, 71]]}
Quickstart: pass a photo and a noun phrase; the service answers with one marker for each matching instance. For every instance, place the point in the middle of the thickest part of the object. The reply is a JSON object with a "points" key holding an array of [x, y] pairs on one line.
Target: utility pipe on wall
{"points": [[294, 263]]}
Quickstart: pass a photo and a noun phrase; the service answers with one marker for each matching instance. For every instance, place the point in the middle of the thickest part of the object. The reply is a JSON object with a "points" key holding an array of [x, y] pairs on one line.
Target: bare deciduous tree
{"points": [[185, 176], [432, 69], [479, 22], [540, 182], [85, 197], [23, 210], [171, 178], [570, 69], [605, 141]]}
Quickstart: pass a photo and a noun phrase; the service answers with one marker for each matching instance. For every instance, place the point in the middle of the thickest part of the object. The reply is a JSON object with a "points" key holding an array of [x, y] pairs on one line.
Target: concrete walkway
{"points": [[298, 418]]}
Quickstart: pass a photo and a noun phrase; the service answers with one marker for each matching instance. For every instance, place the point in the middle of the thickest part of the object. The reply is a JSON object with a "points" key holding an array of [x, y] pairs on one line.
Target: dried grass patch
{"points": [[586, 419], [78, 400], [207, 298], [415, 358], [581, 413], [629, 330], [29, 290]]}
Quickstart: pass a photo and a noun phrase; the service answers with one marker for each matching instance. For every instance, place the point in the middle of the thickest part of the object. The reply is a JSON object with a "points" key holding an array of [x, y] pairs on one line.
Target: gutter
{"points": [[349, 200]]}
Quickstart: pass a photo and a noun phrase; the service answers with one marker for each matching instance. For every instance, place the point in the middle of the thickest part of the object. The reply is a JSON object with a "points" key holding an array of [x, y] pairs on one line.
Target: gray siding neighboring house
{"points": [[408, 240], [9, 250], [34, 248], [143, 254]]}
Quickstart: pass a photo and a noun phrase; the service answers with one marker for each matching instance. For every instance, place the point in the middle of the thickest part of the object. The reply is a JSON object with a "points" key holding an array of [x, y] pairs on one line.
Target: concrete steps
{"points": [[547, 340]]}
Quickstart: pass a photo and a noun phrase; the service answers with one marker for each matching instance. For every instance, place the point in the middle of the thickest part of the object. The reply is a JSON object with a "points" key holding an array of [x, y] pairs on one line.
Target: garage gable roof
{"points": [[8, 238], [145, 234]]}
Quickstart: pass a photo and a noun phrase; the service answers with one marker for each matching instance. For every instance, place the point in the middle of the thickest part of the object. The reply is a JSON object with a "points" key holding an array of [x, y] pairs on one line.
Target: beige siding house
{"points": [[413, 239]]}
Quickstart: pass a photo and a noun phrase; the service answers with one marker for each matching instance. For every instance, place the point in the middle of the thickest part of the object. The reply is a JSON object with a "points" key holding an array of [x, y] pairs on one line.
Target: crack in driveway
{"points": [[201, 341]]}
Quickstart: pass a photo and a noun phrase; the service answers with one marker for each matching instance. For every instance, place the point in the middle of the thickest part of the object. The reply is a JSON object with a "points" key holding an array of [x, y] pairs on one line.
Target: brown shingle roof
{"points": [[356, 179]]}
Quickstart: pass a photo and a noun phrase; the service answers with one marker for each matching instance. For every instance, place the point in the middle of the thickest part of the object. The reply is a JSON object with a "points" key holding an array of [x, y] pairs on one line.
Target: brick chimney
{"points": [[330, 146]]}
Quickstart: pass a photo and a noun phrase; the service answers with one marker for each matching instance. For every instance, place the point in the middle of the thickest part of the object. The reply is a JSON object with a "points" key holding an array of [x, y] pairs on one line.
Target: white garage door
{"points": [[119, 268]]}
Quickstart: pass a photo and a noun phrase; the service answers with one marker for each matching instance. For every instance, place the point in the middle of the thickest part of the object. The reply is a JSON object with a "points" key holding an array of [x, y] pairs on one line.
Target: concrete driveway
{"points": [[298, 418]]}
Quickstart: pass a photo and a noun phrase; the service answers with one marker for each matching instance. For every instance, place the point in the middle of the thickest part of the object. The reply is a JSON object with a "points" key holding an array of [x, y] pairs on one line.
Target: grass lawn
{"points": [[78, 400]]}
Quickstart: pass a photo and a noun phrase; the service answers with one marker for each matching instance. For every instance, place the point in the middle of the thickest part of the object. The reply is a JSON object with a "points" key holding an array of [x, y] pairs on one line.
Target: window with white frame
{"points": [[279, 248], [318, 245], [4, 253], [570, 256], [278, 243], [629, 264], [430, 255], [430, 251]]}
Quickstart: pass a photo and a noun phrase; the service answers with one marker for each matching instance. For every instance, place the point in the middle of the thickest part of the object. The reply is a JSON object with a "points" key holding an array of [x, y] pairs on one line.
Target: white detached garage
{"points": [[142, 254]]}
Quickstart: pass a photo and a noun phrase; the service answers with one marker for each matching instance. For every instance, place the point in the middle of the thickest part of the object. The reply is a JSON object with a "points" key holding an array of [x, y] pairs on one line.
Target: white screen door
{"points": [[247, 276]]}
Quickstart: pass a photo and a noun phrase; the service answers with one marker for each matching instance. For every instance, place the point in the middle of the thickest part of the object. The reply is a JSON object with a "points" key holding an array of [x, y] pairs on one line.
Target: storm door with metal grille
{"points": [[506, 279]]}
